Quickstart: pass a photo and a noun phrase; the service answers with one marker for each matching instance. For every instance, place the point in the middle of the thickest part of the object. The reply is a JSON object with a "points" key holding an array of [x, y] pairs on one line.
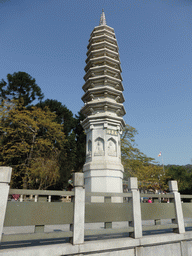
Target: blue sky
{"points": [[48, 40]]}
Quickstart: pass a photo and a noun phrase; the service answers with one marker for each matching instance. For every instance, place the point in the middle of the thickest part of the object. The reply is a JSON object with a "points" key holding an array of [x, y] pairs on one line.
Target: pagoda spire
{"points": [[102, 19]]}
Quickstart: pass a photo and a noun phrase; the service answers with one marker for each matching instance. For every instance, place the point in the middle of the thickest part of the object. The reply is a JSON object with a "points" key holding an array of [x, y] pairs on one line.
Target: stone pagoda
{"points": [[103, 109]]}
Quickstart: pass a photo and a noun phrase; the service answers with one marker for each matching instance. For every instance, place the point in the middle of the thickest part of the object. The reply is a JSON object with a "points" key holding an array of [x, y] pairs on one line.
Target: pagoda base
{"points": [[105, 181]]}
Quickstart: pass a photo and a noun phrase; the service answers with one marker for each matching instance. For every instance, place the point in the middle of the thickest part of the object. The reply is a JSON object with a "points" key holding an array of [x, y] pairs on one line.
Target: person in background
{"points": [[15, 197]]}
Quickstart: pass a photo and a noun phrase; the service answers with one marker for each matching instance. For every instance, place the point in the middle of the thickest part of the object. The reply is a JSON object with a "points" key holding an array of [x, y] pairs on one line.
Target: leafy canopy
{"points": [[137, 164], [20, 86], [183, 175], [31, 144], [72, 156]]}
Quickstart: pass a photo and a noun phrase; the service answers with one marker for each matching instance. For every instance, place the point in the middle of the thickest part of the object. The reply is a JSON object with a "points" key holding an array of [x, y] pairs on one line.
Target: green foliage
{"points": [[32, 142], [80, 139], [20, 85], [132, 158], [182, 174], [137, 164], [72, 156], [64, 117]]}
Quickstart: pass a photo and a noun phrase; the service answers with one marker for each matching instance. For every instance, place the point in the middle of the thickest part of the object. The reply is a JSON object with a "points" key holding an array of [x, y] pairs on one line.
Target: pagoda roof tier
{"points": [[103, 118], [101, 32], [103, 70], [102, 27], [102, 60], [104, 37], [100, 81], [105, 91], [102, 52], [101, 45], [103, 105]]}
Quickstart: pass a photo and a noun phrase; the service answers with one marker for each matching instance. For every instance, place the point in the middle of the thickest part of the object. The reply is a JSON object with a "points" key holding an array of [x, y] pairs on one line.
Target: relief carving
{"points": [[112, 148], [89, 148], [99, 147]]}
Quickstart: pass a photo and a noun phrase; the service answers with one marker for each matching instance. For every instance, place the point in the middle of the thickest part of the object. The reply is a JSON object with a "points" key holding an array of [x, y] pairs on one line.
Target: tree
{"points": [[80, 138], [32, 142], [20, 86], [74, 147], [151, 176], [132, 158], [65, 118], [63, 115], [137, 164], [71, 156], [183, 175]]}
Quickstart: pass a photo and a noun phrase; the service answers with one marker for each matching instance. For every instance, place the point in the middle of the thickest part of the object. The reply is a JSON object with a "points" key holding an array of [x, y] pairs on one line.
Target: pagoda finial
{"points": [[102, 19]]}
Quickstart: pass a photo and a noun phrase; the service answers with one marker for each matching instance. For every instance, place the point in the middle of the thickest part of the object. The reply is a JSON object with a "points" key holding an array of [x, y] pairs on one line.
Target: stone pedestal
{"points": [[103, 170]]}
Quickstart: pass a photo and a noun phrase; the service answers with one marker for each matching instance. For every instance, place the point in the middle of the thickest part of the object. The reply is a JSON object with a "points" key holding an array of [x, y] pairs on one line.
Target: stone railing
{"points": [[36, 208]]}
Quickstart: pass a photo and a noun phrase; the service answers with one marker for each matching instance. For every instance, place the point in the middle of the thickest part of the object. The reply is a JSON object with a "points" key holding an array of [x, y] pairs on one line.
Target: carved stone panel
{"points": [[99, 147], [111, 147], [89, 151]]}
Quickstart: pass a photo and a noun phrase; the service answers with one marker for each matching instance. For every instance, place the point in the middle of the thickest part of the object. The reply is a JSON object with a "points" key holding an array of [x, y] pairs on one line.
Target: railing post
{"points": [[157, 221], [136, 223], [5, 178], [178, 207], [79, 209], [107, 225], [21, 198], [36, 198]]}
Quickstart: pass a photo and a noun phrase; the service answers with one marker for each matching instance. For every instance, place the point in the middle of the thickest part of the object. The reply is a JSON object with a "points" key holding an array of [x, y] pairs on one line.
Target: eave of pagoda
{"points": [[97, 39], [99, 81], [105, 91], [99, 61], [103, 70], [103, 105], [103, 118], [101, 45], [103, 27], [101, 52], [101, 32]]}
